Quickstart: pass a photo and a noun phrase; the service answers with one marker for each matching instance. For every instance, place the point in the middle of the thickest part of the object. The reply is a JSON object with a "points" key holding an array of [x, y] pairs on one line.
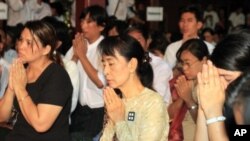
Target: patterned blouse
{"points": [[146, 119]]}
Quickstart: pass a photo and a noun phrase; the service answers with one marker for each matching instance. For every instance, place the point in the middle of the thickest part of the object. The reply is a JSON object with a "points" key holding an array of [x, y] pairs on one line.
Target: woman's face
{"points": [[117, 70], [29, 47], [190, 64]]}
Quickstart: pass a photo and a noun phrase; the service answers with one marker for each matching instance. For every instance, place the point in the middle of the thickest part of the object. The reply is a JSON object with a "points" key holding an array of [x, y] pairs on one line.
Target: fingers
{"points": [[110, 96], [204, 74], [223, 82], [211, 76]]}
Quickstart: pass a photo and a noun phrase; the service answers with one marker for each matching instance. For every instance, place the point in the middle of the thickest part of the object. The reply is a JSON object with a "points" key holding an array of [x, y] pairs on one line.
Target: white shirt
{"points": [[237, 19], [3, 11], [215, 19], [162, 75], [4, 76], [122, 8], [20, 12], [90, 94], [10, 55], [39, 11], [170, 53], [15, 12], [72, 69]]}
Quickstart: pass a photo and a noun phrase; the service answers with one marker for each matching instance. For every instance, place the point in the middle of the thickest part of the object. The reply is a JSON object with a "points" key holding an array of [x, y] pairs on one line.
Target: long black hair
{"points": [[238, 95], [233, 52]]}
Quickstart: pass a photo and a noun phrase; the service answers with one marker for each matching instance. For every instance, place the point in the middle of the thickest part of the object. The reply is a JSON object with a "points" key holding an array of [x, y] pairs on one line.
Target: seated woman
{"points": [[140, 115], [191, 56], [39, 88], [228, 61]]}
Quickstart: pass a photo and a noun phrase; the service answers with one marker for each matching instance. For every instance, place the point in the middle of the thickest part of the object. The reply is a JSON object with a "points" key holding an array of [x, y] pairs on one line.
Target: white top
{"points": [[15, 12], [3, 11], [162, 75], [10, 55], [237, 19], [72, 69], [211, 23], [4, 76], [38, 11], [170, 53], [122, 10], [20, 12], [90, 94]]}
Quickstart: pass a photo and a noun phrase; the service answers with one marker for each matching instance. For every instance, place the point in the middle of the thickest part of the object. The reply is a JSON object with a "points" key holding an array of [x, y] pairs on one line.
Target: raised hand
{"points": [[18, 77], [211, 90], [79, 45], [114, 105], [184, 89]]}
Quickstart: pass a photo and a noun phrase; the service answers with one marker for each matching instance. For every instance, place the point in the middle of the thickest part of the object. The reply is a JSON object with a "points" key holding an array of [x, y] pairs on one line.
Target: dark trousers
{"points": [[86, 123]]}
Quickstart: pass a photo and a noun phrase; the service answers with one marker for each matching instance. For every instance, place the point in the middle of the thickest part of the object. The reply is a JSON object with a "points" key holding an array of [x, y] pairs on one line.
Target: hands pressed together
{"points": [[17, 77], [184, 89], [114, 105], [79, 46]]}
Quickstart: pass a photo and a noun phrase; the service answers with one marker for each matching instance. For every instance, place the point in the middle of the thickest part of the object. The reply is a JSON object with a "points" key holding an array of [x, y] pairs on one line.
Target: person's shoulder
{"points": [[153, 95], [69, 63], [56, 69], [159, 62], [4, 63], [176, 43]]}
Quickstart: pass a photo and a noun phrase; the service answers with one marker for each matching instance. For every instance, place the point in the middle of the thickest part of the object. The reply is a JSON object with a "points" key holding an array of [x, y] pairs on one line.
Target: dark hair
{"points": [[120, 25], [193, 9], [233, 52], [138, 28], [211, 31], [58, 7], [62, 33], [238, 94], [159, 42], [46, 35], [129, 48], [195, 46], [96, 13]]}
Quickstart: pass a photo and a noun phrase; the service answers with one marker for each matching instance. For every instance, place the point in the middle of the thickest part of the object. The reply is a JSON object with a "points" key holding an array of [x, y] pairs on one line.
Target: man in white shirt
{"points": [[87, 120], [190, 23], [21, 11], [162, 71], [15, 12], [211, 17], [237, 18], [120, 9]]}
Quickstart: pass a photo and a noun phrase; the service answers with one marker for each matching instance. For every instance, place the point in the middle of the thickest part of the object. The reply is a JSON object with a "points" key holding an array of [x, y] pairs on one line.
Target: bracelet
{"points": [[215, 119], [23, 98]]}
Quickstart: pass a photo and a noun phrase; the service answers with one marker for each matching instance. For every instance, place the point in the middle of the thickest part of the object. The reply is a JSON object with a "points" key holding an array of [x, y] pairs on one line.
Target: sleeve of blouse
{"points": [[154, 125], [108, 132]]}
